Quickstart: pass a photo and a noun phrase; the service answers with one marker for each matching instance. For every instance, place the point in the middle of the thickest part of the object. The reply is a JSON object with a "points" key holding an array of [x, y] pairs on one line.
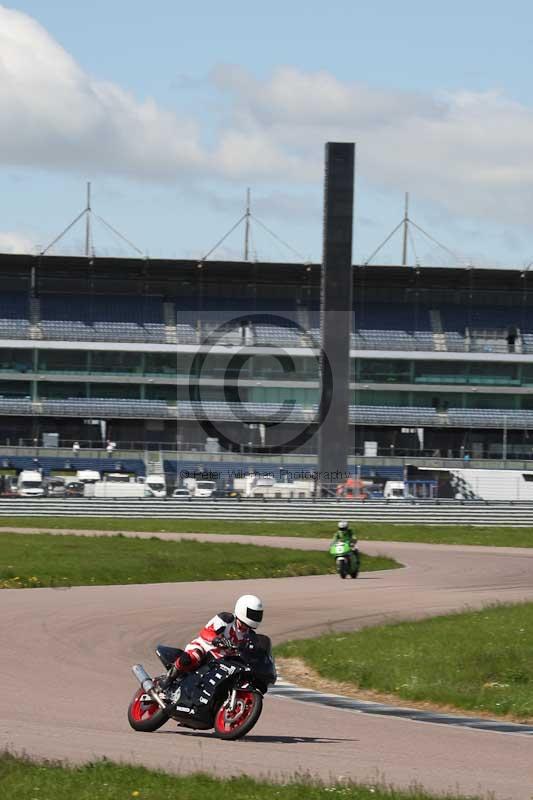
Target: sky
{"points": [[172, 110]]}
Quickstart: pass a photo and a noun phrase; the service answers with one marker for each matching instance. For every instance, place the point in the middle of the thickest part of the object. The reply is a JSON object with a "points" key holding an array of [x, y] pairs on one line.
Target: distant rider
{"points": [[345, 534], [222, 632]]}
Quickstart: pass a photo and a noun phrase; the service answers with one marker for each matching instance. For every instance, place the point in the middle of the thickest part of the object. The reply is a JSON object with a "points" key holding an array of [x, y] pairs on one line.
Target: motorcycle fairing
{"points": [[201, 690]]}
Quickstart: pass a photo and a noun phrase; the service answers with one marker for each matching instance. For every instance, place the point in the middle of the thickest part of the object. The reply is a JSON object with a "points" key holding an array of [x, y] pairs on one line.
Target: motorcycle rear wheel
{"points": [[234, 725], [357, 562], [145, 716]]}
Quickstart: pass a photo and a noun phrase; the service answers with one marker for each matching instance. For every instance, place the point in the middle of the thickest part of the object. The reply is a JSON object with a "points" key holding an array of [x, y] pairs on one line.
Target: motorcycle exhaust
{"points": [[147, 683]]}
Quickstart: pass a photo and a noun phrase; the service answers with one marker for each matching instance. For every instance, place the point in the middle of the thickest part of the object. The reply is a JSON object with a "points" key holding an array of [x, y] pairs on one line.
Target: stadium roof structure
{"points": [[69, 270]]}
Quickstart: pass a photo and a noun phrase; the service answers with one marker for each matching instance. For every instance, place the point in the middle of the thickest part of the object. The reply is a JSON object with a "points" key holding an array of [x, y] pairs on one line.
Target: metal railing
{"points": [[421, 512], [187, 451]]}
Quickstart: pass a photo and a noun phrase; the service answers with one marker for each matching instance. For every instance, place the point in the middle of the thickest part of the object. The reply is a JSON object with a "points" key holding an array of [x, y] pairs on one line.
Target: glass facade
{"points": [[234, 369], [15, 360], [116, 362], [15, 389]]}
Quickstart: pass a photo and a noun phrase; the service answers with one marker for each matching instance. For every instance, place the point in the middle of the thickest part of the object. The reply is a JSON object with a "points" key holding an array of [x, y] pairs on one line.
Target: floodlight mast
{"points": [[88, 221], [88, 213], [247, 227], [247, 217], [408, 224], [405, 230]]}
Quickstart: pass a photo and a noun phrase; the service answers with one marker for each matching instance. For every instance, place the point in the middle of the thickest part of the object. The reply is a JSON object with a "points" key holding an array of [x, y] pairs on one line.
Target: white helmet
{"points": [[342, 526], [249, 609]]}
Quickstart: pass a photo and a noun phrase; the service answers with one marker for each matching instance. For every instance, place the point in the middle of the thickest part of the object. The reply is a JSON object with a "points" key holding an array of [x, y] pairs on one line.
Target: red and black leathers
{"points": [[222, 626]]}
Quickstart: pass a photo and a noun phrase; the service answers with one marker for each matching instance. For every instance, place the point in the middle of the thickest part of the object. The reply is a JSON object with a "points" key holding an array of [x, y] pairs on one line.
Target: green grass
{"points": [[35, 560], [433, 534], [478, 661], [23, 779]]}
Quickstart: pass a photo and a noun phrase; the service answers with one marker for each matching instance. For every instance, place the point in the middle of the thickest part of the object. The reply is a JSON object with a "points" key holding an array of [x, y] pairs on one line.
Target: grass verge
{"points": [[102, 780], [36, 560], [478, 661], [432, 534]]}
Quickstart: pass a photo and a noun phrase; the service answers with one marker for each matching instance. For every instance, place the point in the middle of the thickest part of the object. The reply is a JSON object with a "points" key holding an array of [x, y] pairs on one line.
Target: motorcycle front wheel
{"points": [[144, 714], [237, 723], [342, 568]]}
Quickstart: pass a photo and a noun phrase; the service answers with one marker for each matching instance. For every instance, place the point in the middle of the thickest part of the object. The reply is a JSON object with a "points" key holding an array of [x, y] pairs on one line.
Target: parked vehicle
{"points": [[55, 486], [118, 477], [74, 489], [226, 493], [347, 559], [30, 483], [181, 494], [115, 489], [352, 489], [9, 486], [396, 490], [254, 485], [88, 475], [225, 694], [199, 488], [155, 486]]}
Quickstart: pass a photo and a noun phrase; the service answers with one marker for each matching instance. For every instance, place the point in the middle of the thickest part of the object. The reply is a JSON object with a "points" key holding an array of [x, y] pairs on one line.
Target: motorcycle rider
{"points": [[346, 535], [223, 631]]}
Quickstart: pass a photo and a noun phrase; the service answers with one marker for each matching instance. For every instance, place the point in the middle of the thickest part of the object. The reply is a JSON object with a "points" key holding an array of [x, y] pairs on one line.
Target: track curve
{"points": [[66, 682]]}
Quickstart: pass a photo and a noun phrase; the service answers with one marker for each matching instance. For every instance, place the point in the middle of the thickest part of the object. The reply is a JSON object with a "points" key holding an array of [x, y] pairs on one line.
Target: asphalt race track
{"points": [[66, 680]]}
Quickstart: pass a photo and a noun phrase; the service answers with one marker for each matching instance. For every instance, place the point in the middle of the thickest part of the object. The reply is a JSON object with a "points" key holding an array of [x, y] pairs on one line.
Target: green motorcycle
{"points": [[347, 560]]}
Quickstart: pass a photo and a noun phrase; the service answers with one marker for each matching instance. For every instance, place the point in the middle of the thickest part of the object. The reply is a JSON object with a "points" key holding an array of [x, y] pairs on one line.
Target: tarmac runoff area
{"points": [[67, 653]]}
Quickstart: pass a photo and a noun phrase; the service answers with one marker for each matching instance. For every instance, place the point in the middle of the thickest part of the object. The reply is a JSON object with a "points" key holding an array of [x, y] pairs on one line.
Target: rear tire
{"points": [[145, 716], [249, 705], [357, 566]]}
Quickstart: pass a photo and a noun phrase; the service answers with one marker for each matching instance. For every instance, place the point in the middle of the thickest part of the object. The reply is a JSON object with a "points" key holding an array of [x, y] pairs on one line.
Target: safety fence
{"points": [[261, 510]]}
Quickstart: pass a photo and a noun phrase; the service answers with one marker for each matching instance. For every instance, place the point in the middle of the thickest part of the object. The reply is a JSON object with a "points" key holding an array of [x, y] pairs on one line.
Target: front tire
{"points": [[235, 724], [342, 567], [144, 715]]}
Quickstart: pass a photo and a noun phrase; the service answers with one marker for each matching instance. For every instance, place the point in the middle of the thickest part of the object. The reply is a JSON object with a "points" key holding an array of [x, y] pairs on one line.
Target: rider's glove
{"points": [[223, 642]]}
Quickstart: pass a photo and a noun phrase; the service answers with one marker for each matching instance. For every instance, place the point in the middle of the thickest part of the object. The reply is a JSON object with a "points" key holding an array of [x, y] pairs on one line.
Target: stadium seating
{"points": [[107, 407], [50, 464], [15, 406], [394, 415], [14, 315], [490, 418], [95, 318], [391, 317], [274, 322]]}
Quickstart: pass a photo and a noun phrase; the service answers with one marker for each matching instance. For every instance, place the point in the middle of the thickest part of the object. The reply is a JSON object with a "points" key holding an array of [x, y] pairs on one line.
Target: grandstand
{"points": [[185, 358]]}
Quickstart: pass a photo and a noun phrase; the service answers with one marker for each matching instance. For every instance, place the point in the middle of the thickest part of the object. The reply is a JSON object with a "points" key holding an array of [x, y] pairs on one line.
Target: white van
{"points": [[30, 483], [155, 486], [395, 490], [87, 476]]}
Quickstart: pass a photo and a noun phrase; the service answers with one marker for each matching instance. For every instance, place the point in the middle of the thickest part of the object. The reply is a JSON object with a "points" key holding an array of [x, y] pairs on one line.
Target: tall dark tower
{"points": [[336, 298]]}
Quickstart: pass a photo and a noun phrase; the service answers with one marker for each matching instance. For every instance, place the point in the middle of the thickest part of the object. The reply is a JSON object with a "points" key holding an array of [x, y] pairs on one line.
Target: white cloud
{"points": [[54, 115], [470, 153], [11, 242]]}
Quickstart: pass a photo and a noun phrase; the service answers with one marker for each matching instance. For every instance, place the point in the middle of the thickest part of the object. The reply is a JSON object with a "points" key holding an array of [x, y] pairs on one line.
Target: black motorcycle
{"points": [[225, 694]]}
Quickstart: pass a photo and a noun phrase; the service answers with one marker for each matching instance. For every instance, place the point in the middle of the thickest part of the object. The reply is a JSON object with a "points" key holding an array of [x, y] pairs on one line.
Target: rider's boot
{"points": [[183, 664], [169, 678]]}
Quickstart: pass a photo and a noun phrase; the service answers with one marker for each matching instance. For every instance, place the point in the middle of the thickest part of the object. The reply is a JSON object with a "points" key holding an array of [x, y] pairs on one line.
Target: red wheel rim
{"points": [[143, 709], [227, 721]]}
